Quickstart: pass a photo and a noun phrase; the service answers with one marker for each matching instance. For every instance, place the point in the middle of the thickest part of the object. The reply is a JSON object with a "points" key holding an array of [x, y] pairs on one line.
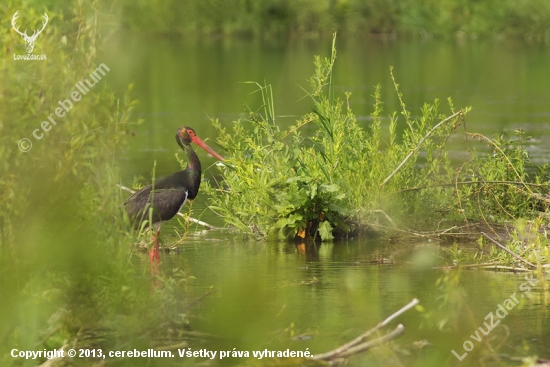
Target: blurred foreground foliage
{"points": [[345, 180], [66, 275], [274, 18]]}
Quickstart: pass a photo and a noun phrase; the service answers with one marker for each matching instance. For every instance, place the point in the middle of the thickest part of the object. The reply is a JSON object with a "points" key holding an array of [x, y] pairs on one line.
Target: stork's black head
{"points": [[185, 135]]}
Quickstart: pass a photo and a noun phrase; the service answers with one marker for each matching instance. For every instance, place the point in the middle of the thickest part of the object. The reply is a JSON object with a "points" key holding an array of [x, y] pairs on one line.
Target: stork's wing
{"points": [[165, 203]]}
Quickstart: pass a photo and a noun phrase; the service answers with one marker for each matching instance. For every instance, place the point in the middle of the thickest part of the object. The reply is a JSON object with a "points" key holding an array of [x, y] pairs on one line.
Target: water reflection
{"points": [[269, 295]]}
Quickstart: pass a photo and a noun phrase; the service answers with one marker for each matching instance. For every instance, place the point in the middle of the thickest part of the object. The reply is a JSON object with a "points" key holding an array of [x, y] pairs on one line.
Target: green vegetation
{"points": [[68, 275], [463, 18], [66, 268], [344, 180]]}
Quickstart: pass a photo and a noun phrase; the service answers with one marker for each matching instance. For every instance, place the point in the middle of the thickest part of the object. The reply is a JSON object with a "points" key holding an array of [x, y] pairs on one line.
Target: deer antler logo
{"points": [[29, 40]]}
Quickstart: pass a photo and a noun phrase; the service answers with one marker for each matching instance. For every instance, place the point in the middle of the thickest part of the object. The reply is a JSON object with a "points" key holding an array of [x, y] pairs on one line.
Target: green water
{"points": [[264, 295], [277, 296]]}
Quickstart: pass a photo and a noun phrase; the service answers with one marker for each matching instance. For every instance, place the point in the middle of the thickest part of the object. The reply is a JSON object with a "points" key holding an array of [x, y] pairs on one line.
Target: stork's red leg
{"points": [[154, 255]]}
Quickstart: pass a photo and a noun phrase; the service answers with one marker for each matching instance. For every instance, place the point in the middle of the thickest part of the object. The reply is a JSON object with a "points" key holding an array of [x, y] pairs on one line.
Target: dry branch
{"points": [[399, 330], [388, 218], [454, 184], [508, 251], [56, 360], [419, 145], [510, 164], [484, 266], [354, 347]]}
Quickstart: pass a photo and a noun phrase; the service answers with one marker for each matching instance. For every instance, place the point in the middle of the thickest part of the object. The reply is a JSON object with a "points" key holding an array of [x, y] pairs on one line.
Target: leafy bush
{"points": [[343, 180], [502, 185], [279, 183]]}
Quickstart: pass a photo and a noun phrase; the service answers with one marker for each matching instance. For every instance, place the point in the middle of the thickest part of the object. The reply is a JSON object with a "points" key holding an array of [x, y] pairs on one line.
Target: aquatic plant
{"points": [[344, 180], [280, 183]]}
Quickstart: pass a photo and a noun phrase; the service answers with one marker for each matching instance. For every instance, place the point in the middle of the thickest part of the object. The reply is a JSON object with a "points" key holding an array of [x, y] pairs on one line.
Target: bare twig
{"points": [[508, 251], [56, 360], [408, 231], [180, 345], [503, 267], [510, 183], [462, 266], [353, 345], [124, 188], [476, 135], [192, 220], [399, 330], [199, 299], [196, 221], [484, 266], [459, 113], [385, 215]]}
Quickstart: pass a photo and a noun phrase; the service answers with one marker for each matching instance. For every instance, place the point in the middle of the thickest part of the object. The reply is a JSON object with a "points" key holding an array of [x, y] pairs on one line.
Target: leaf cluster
{"points": [[280, 183]]}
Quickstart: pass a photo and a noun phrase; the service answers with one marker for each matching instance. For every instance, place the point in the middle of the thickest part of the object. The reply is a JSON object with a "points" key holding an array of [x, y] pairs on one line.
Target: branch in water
{"points": [[354, 347]]}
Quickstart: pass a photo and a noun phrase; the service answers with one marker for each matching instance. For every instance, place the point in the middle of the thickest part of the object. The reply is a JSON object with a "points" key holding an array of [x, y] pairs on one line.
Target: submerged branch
{"points": [[353, 346], [448, 267], [483, 266], [399, 330], [503, 267], [192, 220], [459, 113]]}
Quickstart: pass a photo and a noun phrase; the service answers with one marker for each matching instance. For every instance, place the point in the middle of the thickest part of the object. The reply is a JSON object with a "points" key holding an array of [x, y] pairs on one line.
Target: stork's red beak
{"points": [[195, 139]]}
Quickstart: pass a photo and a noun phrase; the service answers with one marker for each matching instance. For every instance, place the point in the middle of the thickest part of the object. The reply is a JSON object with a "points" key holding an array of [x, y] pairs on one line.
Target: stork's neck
{"points": [[192, 172], [193, 162]]}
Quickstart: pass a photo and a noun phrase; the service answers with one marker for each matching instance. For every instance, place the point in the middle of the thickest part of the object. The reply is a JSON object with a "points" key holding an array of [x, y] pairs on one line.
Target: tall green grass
{"points": [[345, 180]]}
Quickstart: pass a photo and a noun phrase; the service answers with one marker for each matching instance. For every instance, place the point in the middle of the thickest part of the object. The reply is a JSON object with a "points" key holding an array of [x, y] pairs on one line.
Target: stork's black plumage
{"points": [[166, 196]]}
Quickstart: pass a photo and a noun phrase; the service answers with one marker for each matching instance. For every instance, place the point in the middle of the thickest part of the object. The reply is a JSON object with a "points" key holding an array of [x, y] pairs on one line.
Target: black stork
{"points": [[166, 196]]}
